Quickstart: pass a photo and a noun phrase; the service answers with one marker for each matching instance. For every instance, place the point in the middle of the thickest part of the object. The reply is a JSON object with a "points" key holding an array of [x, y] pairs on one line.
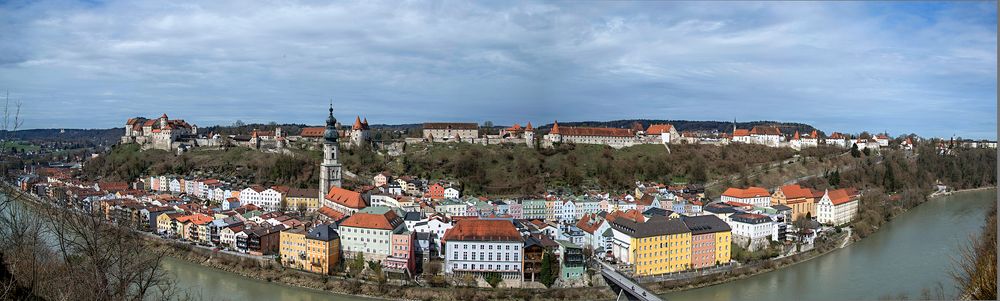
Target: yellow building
{"points": [[293, 248], [307, 199], [710, 240], [323, 250], [317, 251], [657, 246]]}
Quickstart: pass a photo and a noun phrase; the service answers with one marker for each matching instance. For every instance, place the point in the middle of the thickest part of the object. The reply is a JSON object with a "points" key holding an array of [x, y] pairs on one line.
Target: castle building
{"points": [[450, 131], [330, 169], [359, 132], [614, 137], [161, 133]]}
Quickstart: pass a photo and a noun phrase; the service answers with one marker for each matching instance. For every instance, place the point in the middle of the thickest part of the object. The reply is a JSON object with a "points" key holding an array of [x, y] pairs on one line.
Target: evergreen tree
{"points": [[548, 275], [854, 151]]}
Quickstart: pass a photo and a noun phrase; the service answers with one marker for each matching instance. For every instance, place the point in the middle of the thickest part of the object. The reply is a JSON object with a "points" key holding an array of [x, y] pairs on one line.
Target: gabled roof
{"points": [[656, 129], [840, 196], [741, 132], [387, 221], [312, 132], [346, 198], [750, 192], [303, 193], [765, 130], [796, 191], [595, 131], [483, 230], [330, 213]]}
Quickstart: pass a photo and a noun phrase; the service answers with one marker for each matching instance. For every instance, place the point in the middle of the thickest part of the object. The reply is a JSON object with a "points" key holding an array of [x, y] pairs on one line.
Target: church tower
{"points": [[330, 173]]}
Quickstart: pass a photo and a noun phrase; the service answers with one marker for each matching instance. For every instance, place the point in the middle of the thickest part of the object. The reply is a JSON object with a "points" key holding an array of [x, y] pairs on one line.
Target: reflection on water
{"points": [[909, 254]]}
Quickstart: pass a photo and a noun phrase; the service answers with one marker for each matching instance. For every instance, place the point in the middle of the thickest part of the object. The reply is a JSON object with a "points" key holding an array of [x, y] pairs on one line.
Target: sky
{"points": [[902, 67]]}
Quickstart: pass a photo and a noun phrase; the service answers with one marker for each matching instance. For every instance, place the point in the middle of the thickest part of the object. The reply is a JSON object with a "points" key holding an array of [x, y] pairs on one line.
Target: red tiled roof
{"points": [[840, 196], [346, 198], [750, 192], [387, 221], [765, 130], [312, 132], [589, 223], [593, 131], [741, 133], [634, 215], [330, 213], [112, 186], [656, 129], [483, 230], [796, 192]]}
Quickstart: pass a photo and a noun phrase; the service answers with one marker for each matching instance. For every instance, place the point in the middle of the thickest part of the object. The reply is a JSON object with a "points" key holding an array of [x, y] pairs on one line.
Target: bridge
{"points": [[625, 287]]}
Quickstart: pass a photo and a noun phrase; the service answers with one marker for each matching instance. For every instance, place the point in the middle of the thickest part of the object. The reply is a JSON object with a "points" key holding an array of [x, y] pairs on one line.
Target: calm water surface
{"points": [[913, 252]]}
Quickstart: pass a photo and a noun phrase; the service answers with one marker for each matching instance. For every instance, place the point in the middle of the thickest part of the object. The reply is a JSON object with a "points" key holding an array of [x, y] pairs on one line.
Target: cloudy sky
{"points": [[927, 68]]}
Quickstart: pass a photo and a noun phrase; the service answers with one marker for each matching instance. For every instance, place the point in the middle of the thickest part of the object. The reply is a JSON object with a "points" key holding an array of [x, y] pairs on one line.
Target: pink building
{"points": [[400, 257]]}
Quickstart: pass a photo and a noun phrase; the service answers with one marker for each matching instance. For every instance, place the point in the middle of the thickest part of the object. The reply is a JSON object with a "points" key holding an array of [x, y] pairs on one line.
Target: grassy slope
{"points": [[503, 170]]}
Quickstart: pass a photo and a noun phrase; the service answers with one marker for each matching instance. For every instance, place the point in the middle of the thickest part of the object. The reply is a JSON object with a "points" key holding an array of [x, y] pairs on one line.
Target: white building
{"points": [[753, 230], [452, 193], [369, 234], [478, 247], [436, 226], [662, 133], [614, 137], [837, 207], [267, 199], [766, 135], [756, 196]]}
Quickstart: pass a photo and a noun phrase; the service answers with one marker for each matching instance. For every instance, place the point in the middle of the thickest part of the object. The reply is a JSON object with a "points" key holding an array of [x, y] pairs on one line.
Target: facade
{"points": [[322, 249], [752, 231], [766, 135], [756, 196], [478, 246], [450, 132], [302, 198], [401, 254], [614, 137], [360, 133], [268, 199], [710, 240], [837, 207], [662, 133], [161, 133], [656, 246], [801, 200], [370, 234], [571, 262]]}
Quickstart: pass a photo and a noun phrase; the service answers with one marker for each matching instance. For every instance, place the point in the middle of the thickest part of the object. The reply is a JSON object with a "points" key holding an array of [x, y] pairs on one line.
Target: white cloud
{"points": [[845, 66]]}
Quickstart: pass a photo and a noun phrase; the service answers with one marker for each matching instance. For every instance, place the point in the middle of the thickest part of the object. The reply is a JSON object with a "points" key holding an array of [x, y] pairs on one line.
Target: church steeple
{"points": [[330, 168]]}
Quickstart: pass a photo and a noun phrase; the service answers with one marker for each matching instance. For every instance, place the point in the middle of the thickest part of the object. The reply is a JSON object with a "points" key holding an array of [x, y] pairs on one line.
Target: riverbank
{"points": [[773, 265], [270, 271]]}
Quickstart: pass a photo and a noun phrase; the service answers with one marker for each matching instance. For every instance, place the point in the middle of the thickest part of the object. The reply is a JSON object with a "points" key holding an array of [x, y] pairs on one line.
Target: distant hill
{"points": [[97, 136], [689, 125]]}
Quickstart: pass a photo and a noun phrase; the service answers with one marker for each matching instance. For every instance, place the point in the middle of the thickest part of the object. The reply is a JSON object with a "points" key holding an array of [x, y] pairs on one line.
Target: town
{"points": [[426, 230]]}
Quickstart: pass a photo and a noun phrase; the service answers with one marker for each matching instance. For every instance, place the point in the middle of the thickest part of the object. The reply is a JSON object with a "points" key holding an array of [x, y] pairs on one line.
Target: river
{"points": [[909, 254], [912, 252]]}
